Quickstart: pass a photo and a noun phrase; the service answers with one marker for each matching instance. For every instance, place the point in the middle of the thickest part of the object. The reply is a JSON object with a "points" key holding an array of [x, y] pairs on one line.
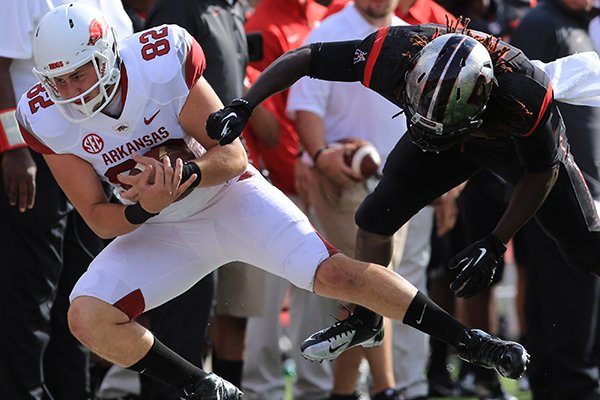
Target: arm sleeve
{"points": [[334, 61], [379, 61]]}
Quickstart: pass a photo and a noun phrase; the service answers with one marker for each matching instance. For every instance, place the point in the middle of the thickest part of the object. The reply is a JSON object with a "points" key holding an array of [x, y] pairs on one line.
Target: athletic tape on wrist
{"points": [[190, 168], [10, 135], [136, 214]]}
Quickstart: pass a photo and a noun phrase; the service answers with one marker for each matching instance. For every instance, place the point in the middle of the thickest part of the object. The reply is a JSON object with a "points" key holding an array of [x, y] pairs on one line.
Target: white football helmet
{"points": [[448, 85], [67, 38]]}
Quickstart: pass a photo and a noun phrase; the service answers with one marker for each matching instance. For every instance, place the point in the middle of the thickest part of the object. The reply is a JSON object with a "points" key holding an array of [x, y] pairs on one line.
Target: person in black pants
{"points": [[472, 102], [45, 250], [45, 247], [561, 307]]}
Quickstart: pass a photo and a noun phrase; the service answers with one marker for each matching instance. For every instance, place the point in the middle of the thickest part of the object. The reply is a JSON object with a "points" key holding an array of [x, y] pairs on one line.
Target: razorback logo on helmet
{"points": [[92, 143], [98, 29]]}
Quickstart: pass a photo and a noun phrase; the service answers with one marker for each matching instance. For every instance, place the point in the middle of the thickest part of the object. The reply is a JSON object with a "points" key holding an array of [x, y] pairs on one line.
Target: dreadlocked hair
{"points": [[490, 42], [504, 112], [454, 26], [497, 53], [496, 121], [461, 25], [518, 111]]}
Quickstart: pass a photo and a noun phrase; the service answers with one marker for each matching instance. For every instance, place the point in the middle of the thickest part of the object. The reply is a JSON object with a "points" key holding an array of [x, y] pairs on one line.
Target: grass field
{"points": [[509, 384]]}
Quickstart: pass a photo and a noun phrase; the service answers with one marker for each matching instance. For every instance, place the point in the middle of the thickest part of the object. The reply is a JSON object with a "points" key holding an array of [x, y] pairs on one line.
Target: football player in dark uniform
{"points": [[471, 102]]}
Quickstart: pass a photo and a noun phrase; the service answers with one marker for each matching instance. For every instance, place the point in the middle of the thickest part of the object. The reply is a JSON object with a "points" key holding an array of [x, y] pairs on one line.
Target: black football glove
{"points": [[227, 124], [477, 264]]}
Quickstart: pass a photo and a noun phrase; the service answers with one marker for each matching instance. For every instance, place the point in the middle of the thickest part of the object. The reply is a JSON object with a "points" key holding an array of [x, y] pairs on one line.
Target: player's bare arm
{"points": [[85, 192], [280, 75], [219, 163], [329, 160], [18, 167]]}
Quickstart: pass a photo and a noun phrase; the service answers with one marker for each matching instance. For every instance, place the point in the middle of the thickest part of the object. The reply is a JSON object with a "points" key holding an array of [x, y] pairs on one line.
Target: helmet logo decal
{"points": [[98, 29], [359, 56], [92, 143], [54, 65]]}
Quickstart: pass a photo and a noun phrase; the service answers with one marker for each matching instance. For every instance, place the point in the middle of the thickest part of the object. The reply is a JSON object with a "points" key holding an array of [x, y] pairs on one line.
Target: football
{"points": [[174, 149], [364, 159]]}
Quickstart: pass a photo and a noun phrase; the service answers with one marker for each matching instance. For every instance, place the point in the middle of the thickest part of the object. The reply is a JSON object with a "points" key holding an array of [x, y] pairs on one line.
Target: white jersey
{"points": [[159, 67], [245, 219]]}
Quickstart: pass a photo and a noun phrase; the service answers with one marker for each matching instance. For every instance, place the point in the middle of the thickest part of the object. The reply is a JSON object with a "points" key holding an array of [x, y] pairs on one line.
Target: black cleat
{"points": [[212, 387], [510, 359], [388, 394], [329, 343]]}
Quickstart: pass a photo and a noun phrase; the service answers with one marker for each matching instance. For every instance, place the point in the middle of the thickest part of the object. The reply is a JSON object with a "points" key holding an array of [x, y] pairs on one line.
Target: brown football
{"points": [[175, 149], [364, 160]]}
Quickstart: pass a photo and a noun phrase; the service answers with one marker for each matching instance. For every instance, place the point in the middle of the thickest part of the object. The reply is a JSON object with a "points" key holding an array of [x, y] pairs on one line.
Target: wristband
{"points": [[243, 105], [136, 214], [10, 135], [190, 168], [318, 154]]}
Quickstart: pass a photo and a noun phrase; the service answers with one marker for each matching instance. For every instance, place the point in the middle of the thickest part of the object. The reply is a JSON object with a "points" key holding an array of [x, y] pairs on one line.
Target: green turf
{"points": [[510, 386]]}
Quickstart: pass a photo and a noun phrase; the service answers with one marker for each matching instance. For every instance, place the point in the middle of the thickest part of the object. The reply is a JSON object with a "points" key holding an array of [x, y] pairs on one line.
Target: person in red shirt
{"points": [[283, 25], [423, 12], [262, 132]]}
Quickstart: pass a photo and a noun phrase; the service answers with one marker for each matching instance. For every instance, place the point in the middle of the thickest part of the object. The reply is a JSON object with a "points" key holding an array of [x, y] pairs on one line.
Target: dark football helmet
{"points": [[448, 84]]}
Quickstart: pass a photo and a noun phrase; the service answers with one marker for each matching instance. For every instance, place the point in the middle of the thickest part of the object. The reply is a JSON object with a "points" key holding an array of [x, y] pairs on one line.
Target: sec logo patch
{"points": [[92, 143]]}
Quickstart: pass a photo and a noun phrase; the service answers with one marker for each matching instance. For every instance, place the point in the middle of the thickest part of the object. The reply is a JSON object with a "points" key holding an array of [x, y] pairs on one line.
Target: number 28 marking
{"points": [[157, 47]]}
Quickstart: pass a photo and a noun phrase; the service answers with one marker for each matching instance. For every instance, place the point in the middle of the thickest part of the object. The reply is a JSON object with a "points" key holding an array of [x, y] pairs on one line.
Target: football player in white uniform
{"points": [[98, 106]]}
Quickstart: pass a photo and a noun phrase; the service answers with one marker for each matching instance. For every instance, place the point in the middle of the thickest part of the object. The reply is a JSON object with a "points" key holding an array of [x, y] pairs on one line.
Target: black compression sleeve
{"points": [[334, 62]]}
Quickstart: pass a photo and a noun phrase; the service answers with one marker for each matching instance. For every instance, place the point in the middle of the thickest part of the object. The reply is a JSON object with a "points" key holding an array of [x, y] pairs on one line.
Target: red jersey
{"points": [[284, 25], [425, 12]]}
